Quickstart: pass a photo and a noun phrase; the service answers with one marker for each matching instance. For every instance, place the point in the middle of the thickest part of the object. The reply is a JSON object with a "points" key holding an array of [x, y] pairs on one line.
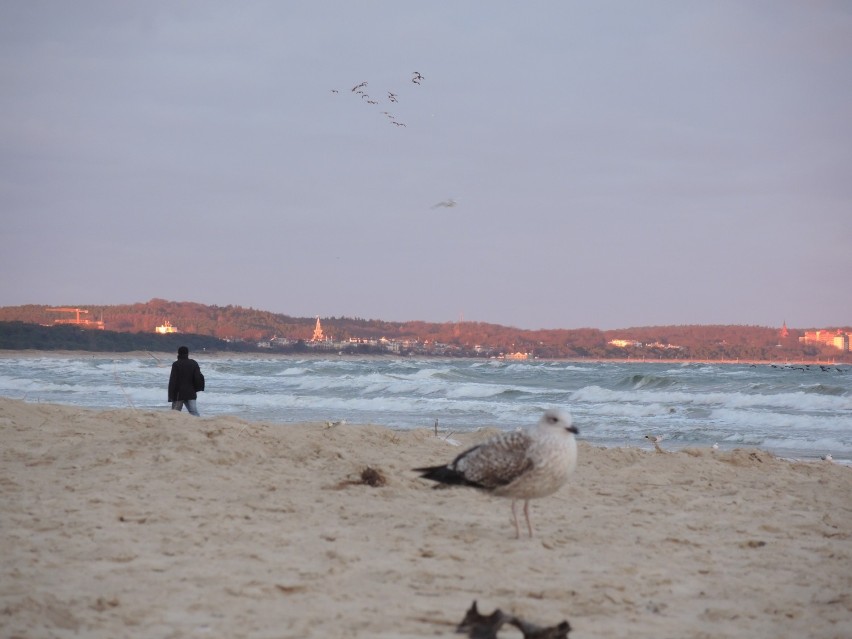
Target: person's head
{"points": [[183, 352]]}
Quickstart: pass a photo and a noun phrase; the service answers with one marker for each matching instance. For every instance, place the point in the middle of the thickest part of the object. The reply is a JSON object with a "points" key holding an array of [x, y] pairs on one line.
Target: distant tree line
{"points": [[22, 336], [235, 328]]}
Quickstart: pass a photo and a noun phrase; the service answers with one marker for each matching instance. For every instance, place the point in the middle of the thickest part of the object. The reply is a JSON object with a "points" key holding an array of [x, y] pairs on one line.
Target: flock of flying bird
{"points": [[360, 90]]}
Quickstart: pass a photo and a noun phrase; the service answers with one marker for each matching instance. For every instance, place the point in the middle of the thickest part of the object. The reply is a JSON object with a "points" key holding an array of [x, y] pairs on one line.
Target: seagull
{"points": [[417, 77], [518, 465], [715, 446], [392, 97], [655, 439], [358, 86], [335, 91], [446, 204], [827, 457]]}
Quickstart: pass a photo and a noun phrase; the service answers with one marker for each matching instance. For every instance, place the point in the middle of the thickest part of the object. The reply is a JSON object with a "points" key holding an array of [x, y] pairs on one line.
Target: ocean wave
{"points": [[611, 403], [794, 401], [639, 382], [824, 389], [817, 445], [293, 371]]}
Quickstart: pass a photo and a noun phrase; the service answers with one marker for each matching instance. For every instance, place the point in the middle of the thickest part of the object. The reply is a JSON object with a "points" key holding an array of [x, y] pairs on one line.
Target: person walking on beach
{"points": [[185, 382]]}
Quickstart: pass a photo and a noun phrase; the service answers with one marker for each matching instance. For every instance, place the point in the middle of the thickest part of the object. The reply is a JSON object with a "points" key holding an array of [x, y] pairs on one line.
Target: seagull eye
{"points": [[552, 419]]}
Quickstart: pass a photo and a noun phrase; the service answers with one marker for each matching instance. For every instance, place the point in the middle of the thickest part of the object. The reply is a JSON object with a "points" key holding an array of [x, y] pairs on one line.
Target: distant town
{"points": [[320, 341], [160, 325]]}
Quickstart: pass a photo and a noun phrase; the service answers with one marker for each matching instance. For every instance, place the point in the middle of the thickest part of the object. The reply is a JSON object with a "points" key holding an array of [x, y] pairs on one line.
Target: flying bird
{"points": [[359, 86], [520, 465], [450, 203], [417, 77], [392, 97]]}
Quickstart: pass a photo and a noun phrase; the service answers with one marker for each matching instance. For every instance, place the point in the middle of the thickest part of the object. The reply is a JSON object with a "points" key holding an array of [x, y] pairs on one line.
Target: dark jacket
{"points": [[186, 379]]}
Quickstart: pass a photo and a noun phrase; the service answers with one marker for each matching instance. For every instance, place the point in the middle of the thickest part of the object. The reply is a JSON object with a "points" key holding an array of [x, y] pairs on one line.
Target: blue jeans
{"points": [[190, 406]]}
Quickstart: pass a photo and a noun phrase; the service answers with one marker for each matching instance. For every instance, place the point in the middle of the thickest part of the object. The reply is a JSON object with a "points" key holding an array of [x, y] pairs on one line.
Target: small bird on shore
{"points": [[715, 446], [827, 457], [655, 439], [521, 465]]}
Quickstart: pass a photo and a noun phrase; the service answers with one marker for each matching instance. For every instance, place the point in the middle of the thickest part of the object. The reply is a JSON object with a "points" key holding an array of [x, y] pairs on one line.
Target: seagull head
{"points": [[555, 419]]}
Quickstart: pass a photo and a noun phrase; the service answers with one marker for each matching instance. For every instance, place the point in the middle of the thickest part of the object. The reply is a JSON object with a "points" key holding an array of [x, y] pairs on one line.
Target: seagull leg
{"points": [[527, 515], [515, 520]]}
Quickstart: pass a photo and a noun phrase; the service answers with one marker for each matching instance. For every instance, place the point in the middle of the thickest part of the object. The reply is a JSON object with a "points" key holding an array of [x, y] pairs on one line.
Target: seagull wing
{"points": [[496, 462]]}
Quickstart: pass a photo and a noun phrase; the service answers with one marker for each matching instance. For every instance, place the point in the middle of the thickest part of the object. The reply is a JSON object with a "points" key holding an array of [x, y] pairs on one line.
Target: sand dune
{"points": [[158, 524]]}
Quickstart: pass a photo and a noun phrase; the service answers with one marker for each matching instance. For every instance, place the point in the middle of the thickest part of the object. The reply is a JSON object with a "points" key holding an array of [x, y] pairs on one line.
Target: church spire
{"points": [[318, 336]]}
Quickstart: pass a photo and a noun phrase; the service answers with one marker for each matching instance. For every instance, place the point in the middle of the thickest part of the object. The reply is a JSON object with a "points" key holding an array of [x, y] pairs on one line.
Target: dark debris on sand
{"points": [[479, 626], [369, 477]]}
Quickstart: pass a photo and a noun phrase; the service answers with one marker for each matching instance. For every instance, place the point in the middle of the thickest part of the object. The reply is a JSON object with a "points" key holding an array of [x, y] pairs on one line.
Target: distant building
{"points": [[166, 328], [784, 332], [318, 334], [837, 339], [624, 343], [668, 347]]}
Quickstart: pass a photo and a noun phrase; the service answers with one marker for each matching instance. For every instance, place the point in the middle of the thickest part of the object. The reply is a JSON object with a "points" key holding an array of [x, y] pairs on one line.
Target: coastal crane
{"points": [[78, 321], [65, 309]]}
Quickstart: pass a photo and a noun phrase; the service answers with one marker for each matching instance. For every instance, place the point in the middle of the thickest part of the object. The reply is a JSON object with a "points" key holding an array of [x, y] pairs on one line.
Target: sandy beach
{"points": [[135, 523]]}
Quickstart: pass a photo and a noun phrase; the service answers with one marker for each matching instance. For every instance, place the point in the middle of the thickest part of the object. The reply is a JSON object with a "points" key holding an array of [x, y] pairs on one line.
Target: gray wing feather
{"points": [[496, 462]]}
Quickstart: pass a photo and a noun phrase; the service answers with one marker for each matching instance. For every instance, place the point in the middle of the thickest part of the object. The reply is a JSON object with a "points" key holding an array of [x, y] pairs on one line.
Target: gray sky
{"points": [[614, 163]]}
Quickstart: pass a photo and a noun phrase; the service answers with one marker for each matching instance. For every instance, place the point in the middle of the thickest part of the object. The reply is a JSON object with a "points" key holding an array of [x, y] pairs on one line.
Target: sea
{"points": [[793, 411]]}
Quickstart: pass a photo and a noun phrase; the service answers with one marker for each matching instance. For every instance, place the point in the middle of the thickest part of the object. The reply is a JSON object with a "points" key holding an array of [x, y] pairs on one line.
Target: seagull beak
{"points": [[573, 429]]}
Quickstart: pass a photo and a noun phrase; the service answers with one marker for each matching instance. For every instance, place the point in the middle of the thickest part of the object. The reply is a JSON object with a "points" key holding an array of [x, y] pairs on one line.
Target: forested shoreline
{"points": [[238, 329]]}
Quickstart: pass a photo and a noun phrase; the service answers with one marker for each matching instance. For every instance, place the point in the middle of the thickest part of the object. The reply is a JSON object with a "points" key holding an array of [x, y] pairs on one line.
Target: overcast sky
{"points": [[613, 164]]}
